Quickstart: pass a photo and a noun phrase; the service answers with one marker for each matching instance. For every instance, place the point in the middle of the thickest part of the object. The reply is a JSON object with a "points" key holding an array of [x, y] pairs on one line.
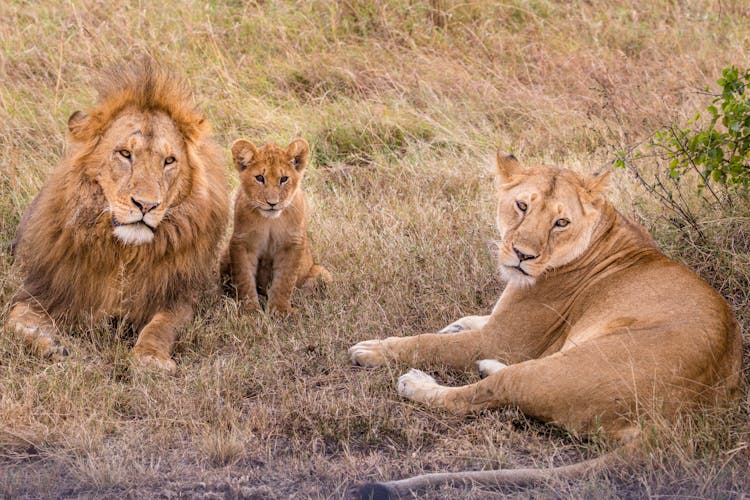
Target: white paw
{"points": [[418, 386], [466, 323], [487, 367], [368, 353], [452, 328]]}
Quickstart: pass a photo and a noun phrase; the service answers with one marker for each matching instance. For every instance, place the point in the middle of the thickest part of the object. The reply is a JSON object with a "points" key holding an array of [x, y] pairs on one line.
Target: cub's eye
{"points": [[522, 206], [283, 179], [169, 160], [124, 153], [260, 179], [562, 223]]}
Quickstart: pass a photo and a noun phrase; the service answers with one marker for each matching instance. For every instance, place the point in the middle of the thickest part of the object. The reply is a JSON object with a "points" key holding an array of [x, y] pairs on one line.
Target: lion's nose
{"points": [[145, 206], [523, 256], [272, 204]]}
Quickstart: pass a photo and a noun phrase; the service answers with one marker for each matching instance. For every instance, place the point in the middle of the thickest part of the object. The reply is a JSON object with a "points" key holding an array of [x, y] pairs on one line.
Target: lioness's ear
{"points": [[507, 166], [300, 150], [598, 184], [243, 152], [77, 124]]}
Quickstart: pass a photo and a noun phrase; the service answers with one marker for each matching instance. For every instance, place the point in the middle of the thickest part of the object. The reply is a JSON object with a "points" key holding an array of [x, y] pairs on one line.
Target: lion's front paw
{"points": [[418, 386], [144, 359], [368, 353]]}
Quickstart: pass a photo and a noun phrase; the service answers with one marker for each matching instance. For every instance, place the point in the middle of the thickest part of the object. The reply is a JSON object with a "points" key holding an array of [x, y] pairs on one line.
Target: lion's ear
{"points": [[300, 151], [598, 184], [507, 166], [243, 152], [77, 125]]}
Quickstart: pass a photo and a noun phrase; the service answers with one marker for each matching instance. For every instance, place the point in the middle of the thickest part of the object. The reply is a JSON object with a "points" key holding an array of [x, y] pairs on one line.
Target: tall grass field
{"points": [[404, 104]]}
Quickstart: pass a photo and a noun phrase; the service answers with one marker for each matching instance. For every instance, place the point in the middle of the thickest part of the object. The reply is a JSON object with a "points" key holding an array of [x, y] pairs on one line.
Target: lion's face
{"points": [[270, 175], [545, 216], [143, 162]]}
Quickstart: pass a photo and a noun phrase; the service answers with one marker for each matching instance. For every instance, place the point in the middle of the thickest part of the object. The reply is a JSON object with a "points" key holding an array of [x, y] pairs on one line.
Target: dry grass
{"points": [[403, 114]]}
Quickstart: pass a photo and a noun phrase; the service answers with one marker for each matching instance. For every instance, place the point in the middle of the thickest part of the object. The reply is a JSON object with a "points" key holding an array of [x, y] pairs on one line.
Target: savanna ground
{"points": [[404, 103]]}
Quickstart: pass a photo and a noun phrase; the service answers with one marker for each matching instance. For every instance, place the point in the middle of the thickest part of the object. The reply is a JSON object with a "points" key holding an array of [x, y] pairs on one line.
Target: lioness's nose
{"points": [[523, 256], [144, 205]]}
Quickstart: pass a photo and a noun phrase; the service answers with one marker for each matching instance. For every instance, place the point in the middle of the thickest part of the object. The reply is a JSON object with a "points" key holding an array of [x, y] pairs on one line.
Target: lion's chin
{"points": [[270, 214], [516, 276], [134, 234]]}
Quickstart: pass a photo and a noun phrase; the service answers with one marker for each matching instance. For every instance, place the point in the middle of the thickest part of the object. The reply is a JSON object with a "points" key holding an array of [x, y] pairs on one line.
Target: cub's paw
{"points": [[487, 367], [145, 360], [280, 309], [369, 353], [418, 386], [249, 307]]}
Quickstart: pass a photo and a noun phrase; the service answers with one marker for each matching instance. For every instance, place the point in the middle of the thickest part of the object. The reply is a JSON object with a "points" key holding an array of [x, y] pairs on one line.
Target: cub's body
{"points": [[269, 250]]}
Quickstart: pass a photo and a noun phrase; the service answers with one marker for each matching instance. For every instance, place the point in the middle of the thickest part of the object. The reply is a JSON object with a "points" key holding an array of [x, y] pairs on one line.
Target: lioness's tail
{"points": [[396, 489]]}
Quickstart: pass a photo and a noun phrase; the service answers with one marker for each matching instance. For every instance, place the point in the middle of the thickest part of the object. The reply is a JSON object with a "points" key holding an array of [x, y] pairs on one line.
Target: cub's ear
{"points": [[243, 152], [77, 125], [300, 151], [598, 184], [507, 166]]}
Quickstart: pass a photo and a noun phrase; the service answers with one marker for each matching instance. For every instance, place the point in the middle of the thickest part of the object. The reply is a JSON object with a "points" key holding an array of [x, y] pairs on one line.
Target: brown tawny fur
{"points": [[598, 329], [127, 225], [269, 249]]}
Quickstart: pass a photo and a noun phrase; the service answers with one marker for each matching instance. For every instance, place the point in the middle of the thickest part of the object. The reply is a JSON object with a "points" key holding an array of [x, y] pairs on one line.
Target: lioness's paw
{"points": [[152, 362], [418, 386], [452, 328], [369, 353], [487, 367]]}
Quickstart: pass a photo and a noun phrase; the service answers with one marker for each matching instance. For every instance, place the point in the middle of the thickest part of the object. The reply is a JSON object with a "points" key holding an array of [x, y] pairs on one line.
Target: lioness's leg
{"points": [[454, 350], [600, 382], [37, 329], [155, 341], [466, 323]]}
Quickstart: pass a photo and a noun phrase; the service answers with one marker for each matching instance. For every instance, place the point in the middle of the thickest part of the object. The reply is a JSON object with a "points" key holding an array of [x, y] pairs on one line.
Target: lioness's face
{"points": [[546, 217], [143, 159], [270, 175]]}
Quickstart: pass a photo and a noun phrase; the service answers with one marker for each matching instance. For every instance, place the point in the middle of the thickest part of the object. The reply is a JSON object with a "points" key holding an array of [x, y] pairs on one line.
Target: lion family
{"points": [[594, 325]]}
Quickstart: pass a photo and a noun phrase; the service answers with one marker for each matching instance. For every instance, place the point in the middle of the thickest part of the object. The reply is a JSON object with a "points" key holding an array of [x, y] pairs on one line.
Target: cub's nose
{"points": [[145, 206], [272, 204], [523, 256]]}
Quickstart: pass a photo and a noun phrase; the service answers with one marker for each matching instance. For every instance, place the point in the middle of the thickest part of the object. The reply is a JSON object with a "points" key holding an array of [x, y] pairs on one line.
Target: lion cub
{"points": [[269, 250]]}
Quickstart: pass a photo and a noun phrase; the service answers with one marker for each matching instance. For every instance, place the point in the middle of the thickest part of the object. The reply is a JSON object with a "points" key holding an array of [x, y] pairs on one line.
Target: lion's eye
{"points": [[260, 179], [169, 160], [124, 153], [562, 223], [283, 179], [522, 206]]}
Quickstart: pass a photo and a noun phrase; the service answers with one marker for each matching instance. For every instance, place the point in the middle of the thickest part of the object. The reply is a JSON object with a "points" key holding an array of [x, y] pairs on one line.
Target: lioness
{"points": [[128, 225], [595, 327], [269, 248]]}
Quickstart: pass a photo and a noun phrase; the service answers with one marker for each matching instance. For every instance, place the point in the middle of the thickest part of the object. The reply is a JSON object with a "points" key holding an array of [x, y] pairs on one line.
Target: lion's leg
{"points": [[316, 276], [155, 341], [454, 350], [37, 329]]}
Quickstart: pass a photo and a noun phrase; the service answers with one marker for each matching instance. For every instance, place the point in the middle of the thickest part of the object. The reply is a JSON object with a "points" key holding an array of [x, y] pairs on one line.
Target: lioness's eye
{"points": [[561, 222], [260, 179], [522, 206], [169, 160], [283, 179], [124, 153]]}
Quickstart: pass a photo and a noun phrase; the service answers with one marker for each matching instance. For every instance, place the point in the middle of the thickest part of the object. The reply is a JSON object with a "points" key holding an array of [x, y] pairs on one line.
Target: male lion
{"points": [[594, 328], [269, 248], [128, 225]]}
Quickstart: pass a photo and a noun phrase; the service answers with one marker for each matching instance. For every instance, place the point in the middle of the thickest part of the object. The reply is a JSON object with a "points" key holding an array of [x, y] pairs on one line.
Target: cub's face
{"points": [[546, 217], [142, 166], [270, 175]]}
